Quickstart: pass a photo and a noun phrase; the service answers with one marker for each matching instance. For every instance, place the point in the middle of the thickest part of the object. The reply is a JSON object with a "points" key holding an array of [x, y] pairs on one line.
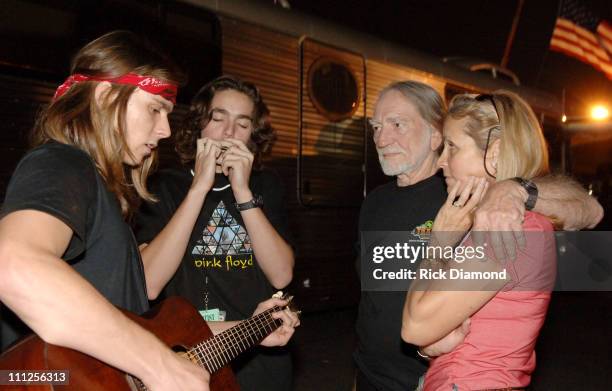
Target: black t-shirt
{"points": [[62, 180], [386, 361], [219, 262]]}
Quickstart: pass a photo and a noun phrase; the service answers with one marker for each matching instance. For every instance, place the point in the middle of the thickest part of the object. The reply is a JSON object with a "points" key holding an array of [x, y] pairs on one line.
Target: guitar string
{"points": [[215, 346], [262, 320], [208, 353], [243, 327], [225, 338], [216, 352]]}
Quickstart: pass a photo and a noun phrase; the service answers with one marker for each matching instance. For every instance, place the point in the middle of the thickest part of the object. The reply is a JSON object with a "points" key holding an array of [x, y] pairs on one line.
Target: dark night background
{"points": [[479, 29], [571, 349], [578, 322]]}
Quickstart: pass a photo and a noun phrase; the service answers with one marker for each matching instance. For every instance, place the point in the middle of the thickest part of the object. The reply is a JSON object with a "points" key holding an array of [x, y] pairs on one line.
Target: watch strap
{"points": [[531, 189], [255, 202]]}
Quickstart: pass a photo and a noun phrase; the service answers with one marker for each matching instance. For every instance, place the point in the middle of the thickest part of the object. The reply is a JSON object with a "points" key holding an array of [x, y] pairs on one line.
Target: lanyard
{"points": [[206, 292]]}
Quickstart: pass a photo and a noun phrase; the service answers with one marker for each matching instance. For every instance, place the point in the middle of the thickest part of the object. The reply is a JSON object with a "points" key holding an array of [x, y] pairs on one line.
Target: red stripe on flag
{"points": [[577, 50], [570, 26], [607, 45], [568, 48], [588, 48], [596, 50], [571, 49], [581, 34], [605, 30]]}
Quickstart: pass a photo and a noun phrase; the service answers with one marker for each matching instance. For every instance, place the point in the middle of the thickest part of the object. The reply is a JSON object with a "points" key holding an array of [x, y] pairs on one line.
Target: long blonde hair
{"points": [[99, 129], [505, 116]]}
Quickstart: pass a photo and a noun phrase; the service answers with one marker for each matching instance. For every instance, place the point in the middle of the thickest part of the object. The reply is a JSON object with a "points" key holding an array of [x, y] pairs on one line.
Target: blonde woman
{"points": [[487, 138]]}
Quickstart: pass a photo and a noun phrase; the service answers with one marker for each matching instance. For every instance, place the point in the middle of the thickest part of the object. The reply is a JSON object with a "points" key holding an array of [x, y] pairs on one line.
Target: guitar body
{"points": [[174, 321]]}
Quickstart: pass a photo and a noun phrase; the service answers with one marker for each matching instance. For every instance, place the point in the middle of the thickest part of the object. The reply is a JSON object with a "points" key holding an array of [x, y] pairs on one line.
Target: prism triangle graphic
{"points": [[223, 234]]}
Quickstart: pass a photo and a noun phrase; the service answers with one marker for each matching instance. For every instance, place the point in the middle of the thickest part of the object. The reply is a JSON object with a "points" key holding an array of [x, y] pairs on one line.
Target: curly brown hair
{"points": [[262, 136]]}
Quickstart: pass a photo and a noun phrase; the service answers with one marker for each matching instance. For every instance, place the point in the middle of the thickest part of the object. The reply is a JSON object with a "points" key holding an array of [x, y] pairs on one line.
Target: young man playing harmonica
{"points": [[225, 221]]}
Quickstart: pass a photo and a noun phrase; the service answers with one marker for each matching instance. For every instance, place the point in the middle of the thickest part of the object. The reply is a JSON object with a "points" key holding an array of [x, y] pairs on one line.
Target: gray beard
{"points": [[393, 169], [403, 168]]}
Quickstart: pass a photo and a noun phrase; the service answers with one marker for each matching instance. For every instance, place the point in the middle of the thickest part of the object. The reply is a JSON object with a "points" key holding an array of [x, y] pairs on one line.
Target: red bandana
{"points": [[147, 83]]}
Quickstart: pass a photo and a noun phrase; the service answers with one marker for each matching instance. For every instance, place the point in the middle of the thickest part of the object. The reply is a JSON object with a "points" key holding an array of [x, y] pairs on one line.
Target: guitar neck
{"points": [[218, 351]]}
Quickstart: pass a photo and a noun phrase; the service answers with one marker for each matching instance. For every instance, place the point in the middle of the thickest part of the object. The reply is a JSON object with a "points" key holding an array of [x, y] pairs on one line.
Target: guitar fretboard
{"points": [[218, 351]]}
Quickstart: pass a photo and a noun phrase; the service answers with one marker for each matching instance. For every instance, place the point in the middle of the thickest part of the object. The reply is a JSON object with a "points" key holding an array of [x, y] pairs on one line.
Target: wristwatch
{"points": [[531, 189], [256, 202]]}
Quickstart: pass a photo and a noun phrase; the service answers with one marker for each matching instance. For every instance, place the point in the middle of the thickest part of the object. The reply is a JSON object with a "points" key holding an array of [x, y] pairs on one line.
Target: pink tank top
{"points": [[499, 351]]}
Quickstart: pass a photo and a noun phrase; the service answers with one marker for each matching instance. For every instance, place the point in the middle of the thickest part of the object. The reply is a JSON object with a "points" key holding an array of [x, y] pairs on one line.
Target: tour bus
{"points": [[319, 80]]}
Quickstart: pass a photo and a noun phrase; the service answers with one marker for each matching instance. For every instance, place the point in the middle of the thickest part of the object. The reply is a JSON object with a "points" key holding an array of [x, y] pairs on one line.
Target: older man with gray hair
{"points": [[407, 126]]}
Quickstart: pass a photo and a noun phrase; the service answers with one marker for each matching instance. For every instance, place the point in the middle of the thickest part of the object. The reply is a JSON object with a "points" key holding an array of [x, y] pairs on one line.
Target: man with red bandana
{"points": [[67, 255]]}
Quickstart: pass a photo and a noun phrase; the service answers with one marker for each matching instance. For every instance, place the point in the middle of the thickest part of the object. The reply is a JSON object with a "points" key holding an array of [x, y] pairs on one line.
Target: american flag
{"points": [[582, 34]]}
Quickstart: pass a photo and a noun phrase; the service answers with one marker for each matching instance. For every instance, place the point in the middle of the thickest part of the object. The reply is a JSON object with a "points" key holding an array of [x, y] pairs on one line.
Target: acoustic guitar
{"points": [[174, 321]]}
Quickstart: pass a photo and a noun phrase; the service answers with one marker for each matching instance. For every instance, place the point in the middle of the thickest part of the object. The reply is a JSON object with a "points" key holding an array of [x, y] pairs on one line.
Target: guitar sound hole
{"points": [[181, 350]]}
